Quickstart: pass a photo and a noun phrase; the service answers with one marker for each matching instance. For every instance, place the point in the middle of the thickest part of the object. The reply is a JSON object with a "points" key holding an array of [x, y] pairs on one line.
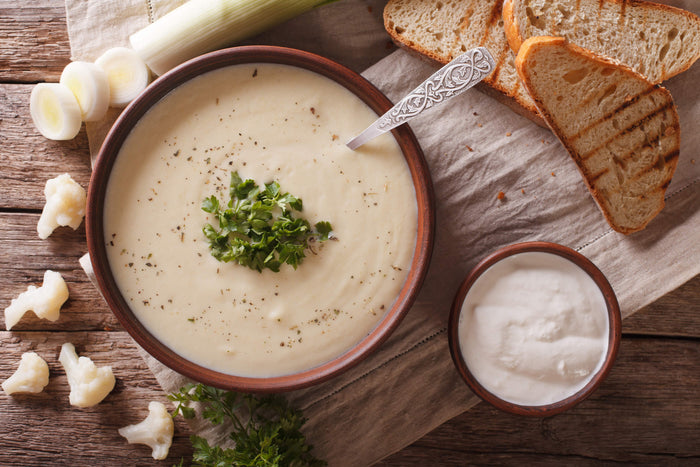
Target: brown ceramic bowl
{"points": [[259, 54], [614, 328]]}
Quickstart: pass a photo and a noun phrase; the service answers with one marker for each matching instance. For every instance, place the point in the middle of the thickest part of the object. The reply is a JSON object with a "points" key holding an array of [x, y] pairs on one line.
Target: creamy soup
{"points": [[267, 122]]}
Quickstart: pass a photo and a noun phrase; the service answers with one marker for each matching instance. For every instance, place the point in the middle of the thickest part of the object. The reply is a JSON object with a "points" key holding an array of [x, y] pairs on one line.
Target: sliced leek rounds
{"points": [[55, 111], [89, 85], [126, 72], [86, 90]]}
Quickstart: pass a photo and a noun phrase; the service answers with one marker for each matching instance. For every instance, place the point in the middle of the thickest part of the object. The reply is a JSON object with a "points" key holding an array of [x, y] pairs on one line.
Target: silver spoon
{"points": [[452, 79]]}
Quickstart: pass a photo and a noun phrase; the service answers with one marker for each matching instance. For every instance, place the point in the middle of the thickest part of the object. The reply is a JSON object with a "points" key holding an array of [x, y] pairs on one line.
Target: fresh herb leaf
{"points": [[324, 229], [210, 204], [258, 229], [266, 430]]}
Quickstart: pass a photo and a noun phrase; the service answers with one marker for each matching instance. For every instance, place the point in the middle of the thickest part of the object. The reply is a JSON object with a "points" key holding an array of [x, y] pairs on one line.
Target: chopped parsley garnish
{"points": [[265, 429], [258, 228]]}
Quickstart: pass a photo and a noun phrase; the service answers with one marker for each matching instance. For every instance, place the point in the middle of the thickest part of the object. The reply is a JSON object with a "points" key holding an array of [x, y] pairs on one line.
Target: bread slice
{"points": [[658, 41], [621, 130], [444, 29]]}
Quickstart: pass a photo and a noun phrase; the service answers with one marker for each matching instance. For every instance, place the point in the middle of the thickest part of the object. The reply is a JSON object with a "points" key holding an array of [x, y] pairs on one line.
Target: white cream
{"points": [[534, 329], [268, 122]]}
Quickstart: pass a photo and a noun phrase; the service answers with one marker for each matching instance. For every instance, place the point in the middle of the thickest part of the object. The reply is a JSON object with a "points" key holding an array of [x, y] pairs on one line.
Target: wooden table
{"points": [[647, 411]]}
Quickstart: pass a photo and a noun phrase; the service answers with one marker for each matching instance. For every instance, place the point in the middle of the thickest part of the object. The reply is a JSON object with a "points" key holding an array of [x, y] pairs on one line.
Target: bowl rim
{"points": [[614, 330], [358, 85]]}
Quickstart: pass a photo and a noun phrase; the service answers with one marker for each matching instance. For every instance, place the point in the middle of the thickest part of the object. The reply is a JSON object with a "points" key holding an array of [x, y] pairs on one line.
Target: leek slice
{"points": [[200, 26], [90, 86], [126, 73], [55, 111]]}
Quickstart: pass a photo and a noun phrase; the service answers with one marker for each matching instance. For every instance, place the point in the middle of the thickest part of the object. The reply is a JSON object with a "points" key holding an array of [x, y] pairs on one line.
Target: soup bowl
{"points": [[99, 239]]}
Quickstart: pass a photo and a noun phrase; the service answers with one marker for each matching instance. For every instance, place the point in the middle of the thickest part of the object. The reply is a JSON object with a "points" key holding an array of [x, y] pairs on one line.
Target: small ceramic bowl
{"points": [[613, 338], [188, 71]]}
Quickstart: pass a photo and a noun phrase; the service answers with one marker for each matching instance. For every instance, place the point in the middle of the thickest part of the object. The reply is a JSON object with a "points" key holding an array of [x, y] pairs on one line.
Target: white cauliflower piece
{"points": [[32, 375], [88, 384], [45, 301], [156, 431], [65, 205]]}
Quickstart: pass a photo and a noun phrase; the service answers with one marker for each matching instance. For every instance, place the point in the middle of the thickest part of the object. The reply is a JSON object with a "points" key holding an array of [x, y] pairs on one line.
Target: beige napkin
{"points": [[475, 148]]}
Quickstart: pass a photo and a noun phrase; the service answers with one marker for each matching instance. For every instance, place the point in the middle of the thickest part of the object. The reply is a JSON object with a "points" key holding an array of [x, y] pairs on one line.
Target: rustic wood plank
{"points": [[632, 417], [44, 429], [24, 258], [28, 159], [646, 412], [675, 314], [33, 40]]}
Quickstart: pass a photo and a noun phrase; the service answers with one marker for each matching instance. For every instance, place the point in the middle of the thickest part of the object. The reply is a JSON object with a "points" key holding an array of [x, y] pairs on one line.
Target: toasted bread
{"points": [[443, 30], [621, 130], [658, 41]]}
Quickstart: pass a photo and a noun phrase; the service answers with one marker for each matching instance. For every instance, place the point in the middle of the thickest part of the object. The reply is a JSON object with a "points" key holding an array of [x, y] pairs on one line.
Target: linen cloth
{"points": [[475, 148]]}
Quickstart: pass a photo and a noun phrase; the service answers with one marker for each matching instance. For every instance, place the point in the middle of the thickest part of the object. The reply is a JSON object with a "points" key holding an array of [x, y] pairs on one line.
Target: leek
{"points": [[127, 75], [200, 26]]}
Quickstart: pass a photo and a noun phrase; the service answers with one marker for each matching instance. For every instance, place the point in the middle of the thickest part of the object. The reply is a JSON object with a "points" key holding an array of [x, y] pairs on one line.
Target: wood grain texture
{"points": [[27, 158], [24, 258], [674, 315], [638, 415], [33, 41], [41, 429]]}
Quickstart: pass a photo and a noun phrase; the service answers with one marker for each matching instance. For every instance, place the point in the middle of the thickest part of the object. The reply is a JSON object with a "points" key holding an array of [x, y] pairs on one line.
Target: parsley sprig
{"points": [[258, 228], [266, 430]]}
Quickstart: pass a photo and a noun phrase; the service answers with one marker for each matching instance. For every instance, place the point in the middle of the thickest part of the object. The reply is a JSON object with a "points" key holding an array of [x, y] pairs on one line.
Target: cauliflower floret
{"points": [[88, 384], [32, 375], [156, 431], [65, 205], [45, 301]]}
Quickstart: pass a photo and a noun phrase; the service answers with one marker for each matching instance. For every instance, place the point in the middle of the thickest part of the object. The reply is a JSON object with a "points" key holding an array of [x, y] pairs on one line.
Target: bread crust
{"points": [[515, 38], [510, 25], [529, 47]]}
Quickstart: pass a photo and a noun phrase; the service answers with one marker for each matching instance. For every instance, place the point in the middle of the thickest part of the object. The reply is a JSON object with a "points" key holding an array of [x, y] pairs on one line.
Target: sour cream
{"points": [[267, 122], [534, 328]]}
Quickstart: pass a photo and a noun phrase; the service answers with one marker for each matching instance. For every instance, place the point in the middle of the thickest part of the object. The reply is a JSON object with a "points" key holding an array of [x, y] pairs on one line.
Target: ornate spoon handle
{"points": [[454, 78]]}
